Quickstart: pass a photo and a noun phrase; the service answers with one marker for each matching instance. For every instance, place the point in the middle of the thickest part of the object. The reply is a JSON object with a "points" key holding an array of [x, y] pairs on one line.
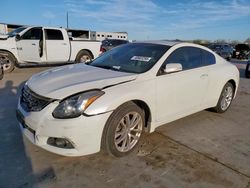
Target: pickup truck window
{"points": [[32, 34], [53, 34]]}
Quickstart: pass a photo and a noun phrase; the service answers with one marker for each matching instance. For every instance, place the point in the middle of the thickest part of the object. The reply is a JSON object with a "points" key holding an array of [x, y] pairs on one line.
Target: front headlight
{"points": [[74, 106]]}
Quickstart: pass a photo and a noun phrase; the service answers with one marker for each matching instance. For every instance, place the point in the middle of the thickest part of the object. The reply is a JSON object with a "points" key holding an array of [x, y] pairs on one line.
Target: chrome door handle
{"points": [[64, 43], [33, 44]]}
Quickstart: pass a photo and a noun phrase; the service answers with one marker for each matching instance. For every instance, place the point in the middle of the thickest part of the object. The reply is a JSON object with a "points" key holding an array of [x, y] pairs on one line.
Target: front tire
{"points": [[123, 130], [225, 99]]}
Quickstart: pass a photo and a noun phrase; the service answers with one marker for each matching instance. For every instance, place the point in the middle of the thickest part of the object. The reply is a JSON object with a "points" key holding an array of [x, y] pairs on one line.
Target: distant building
{"points": [[111, 35], [76, 34]]}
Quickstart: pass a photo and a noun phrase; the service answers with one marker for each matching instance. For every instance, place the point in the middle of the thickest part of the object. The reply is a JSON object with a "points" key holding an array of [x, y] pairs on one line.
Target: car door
{"points": [[57, 46], [181, 93], [28, 46]]}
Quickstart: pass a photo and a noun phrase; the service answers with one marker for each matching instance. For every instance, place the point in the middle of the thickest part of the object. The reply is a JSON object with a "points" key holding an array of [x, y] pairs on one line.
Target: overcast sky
{"points": [[142, 19]]}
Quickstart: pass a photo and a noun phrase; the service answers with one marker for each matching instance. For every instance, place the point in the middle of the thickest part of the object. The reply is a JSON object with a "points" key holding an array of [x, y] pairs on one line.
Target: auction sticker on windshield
{"points": [[141, 58]]}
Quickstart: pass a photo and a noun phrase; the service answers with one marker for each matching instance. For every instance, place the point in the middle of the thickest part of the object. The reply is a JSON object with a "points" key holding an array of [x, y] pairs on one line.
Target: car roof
{"points": [[171, 43]]}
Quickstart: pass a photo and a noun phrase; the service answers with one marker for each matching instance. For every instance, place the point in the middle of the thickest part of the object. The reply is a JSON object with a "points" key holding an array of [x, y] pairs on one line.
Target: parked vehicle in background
{"points": [[224, 50], [108, 44], [44, 45], [1, 71], [247, 72], [78, 109], [242, 51]]}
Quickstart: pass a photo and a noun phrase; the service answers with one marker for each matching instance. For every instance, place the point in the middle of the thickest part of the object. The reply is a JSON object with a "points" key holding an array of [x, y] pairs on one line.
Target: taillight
{"points": [[102, 50]]}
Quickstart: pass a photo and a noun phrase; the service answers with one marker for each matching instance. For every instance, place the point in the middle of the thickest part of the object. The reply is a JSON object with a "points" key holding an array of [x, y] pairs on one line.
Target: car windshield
{"points": [[132, 58], [16, 31]]}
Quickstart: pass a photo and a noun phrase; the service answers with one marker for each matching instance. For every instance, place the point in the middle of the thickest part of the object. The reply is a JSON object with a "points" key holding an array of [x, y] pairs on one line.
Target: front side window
{"points": [[33, 34], [188, 57], [132, 58], [53, 34]]}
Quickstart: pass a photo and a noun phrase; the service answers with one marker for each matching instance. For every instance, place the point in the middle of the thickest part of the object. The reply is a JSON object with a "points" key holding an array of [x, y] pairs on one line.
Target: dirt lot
{"points": [[202, 150]]}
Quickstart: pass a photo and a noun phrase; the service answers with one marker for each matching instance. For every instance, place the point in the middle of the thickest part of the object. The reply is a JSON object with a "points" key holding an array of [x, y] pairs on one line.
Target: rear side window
{"points": [[113, 42], [33, 34], [207, 58], [188, 57], [118, 42], [53, 34]]}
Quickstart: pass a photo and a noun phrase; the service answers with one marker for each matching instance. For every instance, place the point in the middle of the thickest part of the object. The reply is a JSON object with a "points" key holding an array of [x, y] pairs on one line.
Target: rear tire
{"points": [[8, 61], [83, 57], [225, 99], [123, 130]]}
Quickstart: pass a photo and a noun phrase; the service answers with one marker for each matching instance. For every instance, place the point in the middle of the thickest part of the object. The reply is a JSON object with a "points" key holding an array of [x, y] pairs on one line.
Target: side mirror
{"points": [[172, 67], [18, 37]]}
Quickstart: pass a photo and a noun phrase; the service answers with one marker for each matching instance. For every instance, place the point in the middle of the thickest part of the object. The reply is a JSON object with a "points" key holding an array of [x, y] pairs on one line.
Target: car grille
{"points": [[32, 102]]}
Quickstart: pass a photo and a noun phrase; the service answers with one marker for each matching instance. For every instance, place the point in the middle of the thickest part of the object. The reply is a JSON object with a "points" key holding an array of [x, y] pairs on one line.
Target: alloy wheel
{"points": [[227, 98], [128, 131]]}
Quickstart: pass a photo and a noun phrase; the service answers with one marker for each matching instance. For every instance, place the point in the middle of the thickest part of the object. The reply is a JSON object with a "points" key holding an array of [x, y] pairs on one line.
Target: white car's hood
{"points": [[62, 82]]}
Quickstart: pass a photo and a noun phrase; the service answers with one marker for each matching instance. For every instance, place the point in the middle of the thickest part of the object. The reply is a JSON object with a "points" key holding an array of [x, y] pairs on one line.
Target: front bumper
{"points": [[84, 133]]}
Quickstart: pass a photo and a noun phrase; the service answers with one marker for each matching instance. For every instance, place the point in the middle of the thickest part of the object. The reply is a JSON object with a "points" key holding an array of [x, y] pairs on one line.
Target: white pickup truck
{"points": [[28, 46]]}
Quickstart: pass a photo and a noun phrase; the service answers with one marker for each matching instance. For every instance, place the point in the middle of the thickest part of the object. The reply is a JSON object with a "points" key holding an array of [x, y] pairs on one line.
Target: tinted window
{"points": [[207, 58], [118, 42], [33, 34], [188, 57], [53, 34], [113, 42]]}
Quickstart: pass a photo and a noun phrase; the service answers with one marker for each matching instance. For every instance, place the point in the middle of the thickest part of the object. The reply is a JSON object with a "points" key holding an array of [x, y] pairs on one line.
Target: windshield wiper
{"points": [[107, 67]]}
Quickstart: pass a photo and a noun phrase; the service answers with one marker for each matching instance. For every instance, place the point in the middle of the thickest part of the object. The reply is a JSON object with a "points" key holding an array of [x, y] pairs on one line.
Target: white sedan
{"points": [[80, 109]]}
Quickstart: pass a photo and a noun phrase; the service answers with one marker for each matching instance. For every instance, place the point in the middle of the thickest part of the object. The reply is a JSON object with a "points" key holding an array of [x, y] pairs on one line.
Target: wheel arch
{"points": [[148, 116], [146, 109], [233, 82], [7, 51]]}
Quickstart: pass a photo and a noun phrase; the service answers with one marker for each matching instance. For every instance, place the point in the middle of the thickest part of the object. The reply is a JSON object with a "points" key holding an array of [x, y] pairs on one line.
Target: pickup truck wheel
{"points": [[8, 62], [123, 130], [83, 57]]}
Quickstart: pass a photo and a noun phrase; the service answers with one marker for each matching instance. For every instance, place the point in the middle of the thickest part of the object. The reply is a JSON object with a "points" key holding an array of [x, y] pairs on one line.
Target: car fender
{"points": [[117, 95], [218, 77], [9, 46]]}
